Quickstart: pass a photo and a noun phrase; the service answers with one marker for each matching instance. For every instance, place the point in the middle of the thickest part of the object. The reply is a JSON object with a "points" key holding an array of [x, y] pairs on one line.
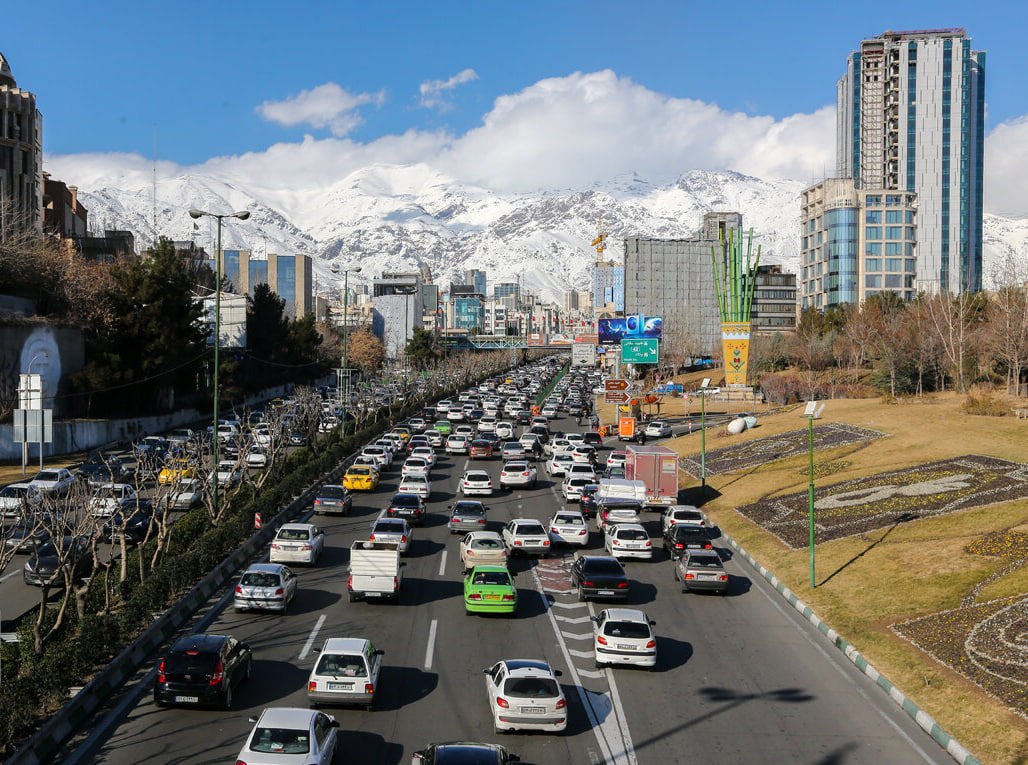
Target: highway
{"points": [[741, 678]]}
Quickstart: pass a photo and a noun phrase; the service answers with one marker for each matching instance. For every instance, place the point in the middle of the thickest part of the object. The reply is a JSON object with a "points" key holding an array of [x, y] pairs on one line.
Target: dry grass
{"points": [[893, 574], [12, 473]]}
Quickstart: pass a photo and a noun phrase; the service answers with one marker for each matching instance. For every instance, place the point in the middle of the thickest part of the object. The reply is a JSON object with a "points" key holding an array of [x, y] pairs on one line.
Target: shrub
{"points": [[984, 404]]}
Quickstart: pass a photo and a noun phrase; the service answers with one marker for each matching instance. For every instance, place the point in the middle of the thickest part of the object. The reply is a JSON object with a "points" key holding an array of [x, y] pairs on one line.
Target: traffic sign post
{"points": [[643, 351], [616, 397], [616, 385]]}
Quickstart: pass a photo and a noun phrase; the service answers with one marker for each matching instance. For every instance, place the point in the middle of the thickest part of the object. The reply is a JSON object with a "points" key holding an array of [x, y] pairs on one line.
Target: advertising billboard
{"points": [[613, 331]]}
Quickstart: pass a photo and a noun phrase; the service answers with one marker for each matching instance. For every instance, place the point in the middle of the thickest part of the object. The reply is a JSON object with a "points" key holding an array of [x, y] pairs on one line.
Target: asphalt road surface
{"points": [[740, 678]]}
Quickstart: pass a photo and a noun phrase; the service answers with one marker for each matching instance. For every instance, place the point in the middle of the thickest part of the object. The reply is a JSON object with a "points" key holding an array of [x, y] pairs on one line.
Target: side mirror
{"points": [[513, 758], [244, 646], [253, 719], [653, 623], [417, 757], [486, 671], [379, 652], [557, 673], [335, 723], [594, 619]]}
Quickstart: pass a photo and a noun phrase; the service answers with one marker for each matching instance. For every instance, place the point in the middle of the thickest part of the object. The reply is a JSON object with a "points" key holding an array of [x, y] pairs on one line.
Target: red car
{"points": [[481, 449]]}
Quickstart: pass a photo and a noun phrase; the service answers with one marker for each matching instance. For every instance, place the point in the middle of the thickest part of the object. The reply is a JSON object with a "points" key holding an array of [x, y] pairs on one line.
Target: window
{"points": [[872, 232], [909, 216], [872, 280], [891, 216], [892, 200], [894, 281], [909, 265], [894, 264], [873, 216], [894, 232], [873, 248], [869, 201], [873, 264], [910, 236]]}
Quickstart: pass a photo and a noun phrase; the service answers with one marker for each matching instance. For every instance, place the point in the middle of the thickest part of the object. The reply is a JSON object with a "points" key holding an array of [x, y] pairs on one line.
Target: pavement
{"points": [[740, 678]]}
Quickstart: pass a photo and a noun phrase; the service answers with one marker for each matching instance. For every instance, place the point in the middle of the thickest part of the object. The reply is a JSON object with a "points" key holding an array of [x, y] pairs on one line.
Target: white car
{"points": [[526, 536], [107, 499], [581, 470], [518, 474], [683, 515], [476, 482], [583, 453], [392, 531], [617, 459], [455, 415], [624, 636], [528, 440], [487, 424], [575, 438], [616, 515], [524, 695], [290, 736], [443, 406], [572, 488], [456, 444], [658, 429], [415, 484], [346, 672], [187, 494], [558, 464], [297, 543], [262, 436], [568, 527], [382, 456], [465, 430], [482, 548], [627, 540], [228, 473], [265, 587], [427, 453], [415, 466], [256, 458], [435, 438], [504, 429], [53, 481], [17, 497], [559, 445], [550, 410]]}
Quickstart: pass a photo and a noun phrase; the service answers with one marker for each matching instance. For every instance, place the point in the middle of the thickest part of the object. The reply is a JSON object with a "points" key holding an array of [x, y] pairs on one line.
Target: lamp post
{"points": [[346, 328], [703, 434], [812, 412], [241, 215]]}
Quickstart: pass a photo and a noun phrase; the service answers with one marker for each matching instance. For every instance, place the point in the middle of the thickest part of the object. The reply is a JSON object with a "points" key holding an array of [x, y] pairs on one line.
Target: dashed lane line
{"points": [[431, 643], [575, 636], [581, 654], [593, 674], [311, 638], [558, 604], [442, 563]]}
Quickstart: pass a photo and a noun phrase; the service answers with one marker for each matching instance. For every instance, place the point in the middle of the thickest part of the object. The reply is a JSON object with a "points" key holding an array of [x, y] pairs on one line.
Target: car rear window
{"points": [[570, 520], [341, 665], [481, 476], [530, 687], [603, 567], [465, 508], [259, 579], [182, 663], [405, 500], [332, 492], [453, 754], [530, 528], [705, 561], [280, 741], [633, 534], [626, 629], [486, 544], [491, 577], [294, 534], [386, 527], [688, 515]]}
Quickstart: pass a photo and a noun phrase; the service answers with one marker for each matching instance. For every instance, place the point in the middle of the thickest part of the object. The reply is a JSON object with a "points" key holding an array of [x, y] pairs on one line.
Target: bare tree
{"points": [[1007, 329], [952, 320]]}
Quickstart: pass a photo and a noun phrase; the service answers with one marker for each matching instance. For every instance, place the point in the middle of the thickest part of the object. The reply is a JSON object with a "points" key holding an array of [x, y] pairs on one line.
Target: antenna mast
{"points": [[154, 196]]}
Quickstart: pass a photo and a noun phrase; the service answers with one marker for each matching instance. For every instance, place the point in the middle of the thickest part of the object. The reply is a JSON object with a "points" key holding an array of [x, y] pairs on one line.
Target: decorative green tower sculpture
{"points": [[735, 283]]}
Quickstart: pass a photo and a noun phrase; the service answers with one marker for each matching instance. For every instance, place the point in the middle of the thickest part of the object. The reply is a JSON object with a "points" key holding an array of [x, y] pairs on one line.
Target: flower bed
{"points": [[745, 455], [873, 502]]}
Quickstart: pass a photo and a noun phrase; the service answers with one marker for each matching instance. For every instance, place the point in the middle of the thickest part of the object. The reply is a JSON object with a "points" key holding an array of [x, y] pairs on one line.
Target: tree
{"points": [[1007, 328], [366, 350], [887, 314], [421, 349]]}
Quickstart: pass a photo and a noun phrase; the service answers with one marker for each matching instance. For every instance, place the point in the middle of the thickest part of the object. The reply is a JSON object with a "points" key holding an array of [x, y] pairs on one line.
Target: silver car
{"points": [[702, 570], [467, 515], [527, 537], [265, 587], [518, 474]]}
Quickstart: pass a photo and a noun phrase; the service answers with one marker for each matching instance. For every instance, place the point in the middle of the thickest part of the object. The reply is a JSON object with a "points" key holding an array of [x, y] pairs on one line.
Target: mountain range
{"points": [[398, 217]]}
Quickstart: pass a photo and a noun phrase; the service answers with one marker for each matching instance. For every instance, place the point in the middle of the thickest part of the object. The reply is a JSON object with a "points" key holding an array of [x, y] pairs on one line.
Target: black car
{"points": [[524, 416], [587, 504], [599, 576], [407, 506], [680, 538], [25, 537], [333, 499], [475, 415], [297, 439], [428, 414], [103, 468], [202, 669], [134, 519], [592, 439], [44, 567], [465, 753]]}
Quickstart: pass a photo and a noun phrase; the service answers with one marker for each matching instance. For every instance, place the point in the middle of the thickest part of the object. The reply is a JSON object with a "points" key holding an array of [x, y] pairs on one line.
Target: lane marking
{"points": [[557, 604], [5, 577], [573, 619], [581, 654], [574, 636], [594, 674], [310, 638], [431, 643], [442, 563]]}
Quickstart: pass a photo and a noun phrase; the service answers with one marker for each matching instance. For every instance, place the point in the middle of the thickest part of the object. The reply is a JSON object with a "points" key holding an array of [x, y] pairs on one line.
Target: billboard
{"points": [[613, 331], [642, 351]]}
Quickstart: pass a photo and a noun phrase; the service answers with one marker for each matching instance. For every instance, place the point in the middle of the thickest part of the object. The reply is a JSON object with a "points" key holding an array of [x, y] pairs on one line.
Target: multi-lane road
{"points": [[741, 678]]}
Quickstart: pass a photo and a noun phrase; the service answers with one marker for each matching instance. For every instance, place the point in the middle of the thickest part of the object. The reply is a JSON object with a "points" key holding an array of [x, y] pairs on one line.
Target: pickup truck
{"points": [[375, 571]]}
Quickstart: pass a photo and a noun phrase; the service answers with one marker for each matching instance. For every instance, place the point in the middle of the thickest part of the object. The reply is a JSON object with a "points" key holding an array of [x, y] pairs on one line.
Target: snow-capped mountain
{"points": [[396, 218]]}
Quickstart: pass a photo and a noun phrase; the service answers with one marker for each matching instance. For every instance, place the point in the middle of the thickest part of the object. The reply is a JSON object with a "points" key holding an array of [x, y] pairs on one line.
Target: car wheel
{"points": [[369, 706], [353, 597]]}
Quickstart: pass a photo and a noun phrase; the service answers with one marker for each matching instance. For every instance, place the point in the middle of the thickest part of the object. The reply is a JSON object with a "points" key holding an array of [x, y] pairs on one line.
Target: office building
{"points": [[21, 156], [569, 301], [609, 288], [911, 119], [398, 300], [476, 279], [585, 301], [288, 276], [506, 289], [774, 301]]}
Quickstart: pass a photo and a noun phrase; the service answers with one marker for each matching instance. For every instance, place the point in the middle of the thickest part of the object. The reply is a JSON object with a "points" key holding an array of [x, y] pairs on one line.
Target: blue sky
{"points": [[106, 74]]}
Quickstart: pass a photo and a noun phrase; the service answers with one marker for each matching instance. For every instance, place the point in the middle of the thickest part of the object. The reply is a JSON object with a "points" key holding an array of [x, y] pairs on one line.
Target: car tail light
{"points": [[306, 547], [690, 576], [546, 543], [723, 577], [349, 582], [369, 688], [275, 546], [525, 473], [474, 596], [396, 582], [161, 677], [317, 502], [508, 598], [562, 703], [481, 520], [588, 584], [601, 640], [403, 539], [679, 547], [240, 762], [219, 674], [622, 585], [280, 591], [617, 541], [239, 590], [517, 543], [371, 538], [651, 644], [649, 543], [502, 703], [312, 686], [707, 546]]}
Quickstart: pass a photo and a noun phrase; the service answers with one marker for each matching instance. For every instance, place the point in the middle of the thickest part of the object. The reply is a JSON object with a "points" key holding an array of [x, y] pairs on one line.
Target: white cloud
{"points": [[1006, 163], [326, 106], [432, 90]]}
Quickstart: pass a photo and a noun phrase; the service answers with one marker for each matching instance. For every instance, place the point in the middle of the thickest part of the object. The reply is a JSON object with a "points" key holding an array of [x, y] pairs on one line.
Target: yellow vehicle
{"points": [[175, 471], [404, 432], [360, 478]]}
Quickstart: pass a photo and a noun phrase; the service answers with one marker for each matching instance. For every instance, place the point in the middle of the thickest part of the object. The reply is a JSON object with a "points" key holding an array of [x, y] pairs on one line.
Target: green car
{"points": [[444, 426], [490, 590]]}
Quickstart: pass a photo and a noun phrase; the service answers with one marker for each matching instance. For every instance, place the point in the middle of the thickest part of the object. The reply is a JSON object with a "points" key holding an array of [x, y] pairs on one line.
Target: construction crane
{"points": [[600, 240]]}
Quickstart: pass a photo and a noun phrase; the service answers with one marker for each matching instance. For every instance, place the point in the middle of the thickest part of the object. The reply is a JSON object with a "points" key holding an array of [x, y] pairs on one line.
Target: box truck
{"points": [[375, 571], [627, 428], [657, 467]]}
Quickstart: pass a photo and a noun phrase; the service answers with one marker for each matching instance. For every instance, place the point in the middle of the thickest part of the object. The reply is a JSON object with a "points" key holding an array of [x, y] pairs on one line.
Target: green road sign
{"points": [[640, 351]]}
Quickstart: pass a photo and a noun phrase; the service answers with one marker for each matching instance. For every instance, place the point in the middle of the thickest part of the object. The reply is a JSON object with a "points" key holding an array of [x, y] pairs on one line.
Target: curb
{"points": [[953, 747]]}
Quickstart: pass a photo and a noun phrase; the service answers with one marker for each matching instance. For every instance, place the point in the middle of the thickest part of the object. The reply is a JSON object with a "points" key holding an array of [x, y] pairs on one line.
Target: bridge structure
{"points": [[497, 343]]}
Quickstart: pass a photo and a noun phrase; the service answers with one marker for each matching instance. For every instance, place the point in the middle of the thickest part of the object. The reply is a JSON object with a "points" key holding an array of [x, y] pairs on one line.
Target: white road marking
{"points": [[5, 577], [442, 563], [573, 619], [310, 638], [431, 643], [574, 636], [596, 675], [558, 604], [581, 654]]}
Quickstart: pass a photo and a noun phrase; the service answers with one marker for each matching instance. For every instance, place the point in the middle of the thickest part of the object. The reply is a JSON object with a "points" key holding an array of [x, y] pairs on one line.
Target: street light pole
{"points": [[241, 215], [812, 412], [346, 334]]}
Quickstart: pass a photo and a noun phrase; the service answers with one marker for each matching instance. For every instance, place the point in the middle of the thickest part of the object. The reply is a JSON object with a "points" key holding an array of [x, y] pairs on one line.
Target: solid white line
{"points": [[431, 643], [310, 638], [5, 577], [442, 563]]}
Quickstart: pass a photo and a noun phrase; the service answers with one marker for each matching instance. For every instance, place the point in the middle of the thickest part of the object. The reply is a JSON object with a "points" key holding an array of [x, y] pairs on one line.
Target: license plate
{"points": [[625, 647], [340, 686], [492, 597], [187, 699], [605, 592], [532, 710], [708, 576], [372, 594]]}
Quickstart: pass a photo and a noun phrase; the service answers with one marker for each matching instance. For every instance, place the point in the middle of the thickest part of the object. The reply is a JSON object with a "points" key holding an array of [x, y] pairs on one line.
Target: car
{"points": [[407, 506], [228, 473], [16, 499], [526, 536], [434, 436], [51, 560], [599, 576], [333, 498], [288, 735], [360, 478], [457, 444], [583, 454], [627, 540], [558, 464], [658, 429], [382, 454], [617, 513], [523, 416], [297, 439], [572, 487], [592, 438], [701, 570], [426, 453], [265, 587], [109, 498], [174, 470], [103, 468], [490, 590], [686, 515], [403, 432], [346, 672], [467, 515], [463, 753], [487, 424], [529, 440], [476, 482], [54, 481], [614, 471], [679, 539], [202, 670], [482, 548], [456, 415], [135, 520], [518, 474], [417, 425], [581, 470], [297, 543], [624, 636], [568, 527], [524, 695], [559, 445], [549, 410], [514, 450], [415, 466], [26, 536], [504, 429], [617, 458], [185, 495], [393, 531], [367, 459], [444, 428], [415, 484], [481, 448], [256, 458], [465, 430]]}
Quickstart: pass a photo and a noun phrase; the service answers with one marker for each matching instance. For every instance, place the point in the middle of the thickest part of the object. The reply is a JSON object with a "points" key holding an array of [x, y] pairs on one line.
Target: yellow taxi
{"points": [[360, 478], [403, 432], [174, 471]]}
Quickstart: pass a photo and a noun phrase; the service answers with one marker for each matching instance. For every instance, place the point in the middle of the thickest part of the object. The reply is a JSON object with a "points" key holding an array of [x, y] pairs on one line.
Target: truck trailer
{"points": [[657, 467]]}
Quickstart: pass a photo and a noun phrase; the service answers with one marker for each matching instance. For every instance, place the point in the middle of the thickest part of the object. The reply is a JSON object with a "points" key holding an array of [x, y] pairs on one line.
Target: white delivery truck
{"points": [[375, 571]]}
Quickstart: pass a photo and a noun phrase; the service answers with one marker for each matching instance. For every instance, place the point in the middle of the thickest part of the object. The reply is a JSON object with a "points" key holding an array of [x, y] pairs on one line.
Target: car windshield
{"points": [[611, 567], [626, 629], [570, 520], [705, 561], [332, 492], [486, 544], [259, 579], [281, 741], [14, 491], [48, 475], [530, 528], [294, 534], [491, 577], [341, 665], [49, 550], [531, 688]]}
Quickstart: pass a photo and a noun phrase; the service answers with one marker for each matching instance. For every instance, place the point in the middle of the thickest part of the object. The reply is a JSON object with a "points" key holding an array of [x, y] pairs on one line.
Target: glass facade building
{"points": [[468, 313], [258, 274]]}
